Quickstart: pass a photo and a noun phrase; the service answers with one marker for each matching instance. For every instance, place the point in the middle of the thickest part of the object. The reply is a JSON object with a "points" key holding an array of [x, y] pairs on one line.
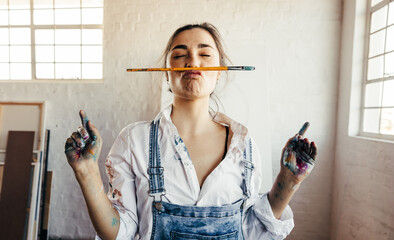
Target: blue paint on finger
{"points": [[84, 120], [303, 128]]}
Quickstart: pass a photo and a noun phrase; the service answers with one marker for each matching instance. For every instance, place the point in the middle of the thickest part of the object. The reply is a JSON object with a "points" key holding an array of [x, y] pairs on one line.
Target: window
{"points": [[378, 104], [51, 39]]}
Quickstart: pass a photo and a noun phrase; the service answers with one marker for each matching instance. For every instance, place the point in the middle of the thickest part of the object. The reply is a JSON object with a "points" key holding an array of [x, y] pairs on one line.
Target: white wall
{"points": [[294, 46], [364, 168], [301, 52]]}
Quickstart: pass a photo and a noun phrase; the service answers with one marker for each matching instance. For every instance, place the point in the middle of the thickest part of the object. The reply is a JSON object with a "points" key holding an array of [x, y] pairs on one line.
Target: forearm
{"points": [[104, 217], [282, 191]]}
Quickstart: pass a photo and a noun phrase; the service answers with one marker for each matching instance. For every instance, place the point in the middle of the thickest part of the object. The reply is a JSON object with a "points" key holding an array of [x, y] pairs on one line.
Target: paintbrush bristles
{"points": [[233, 68]]}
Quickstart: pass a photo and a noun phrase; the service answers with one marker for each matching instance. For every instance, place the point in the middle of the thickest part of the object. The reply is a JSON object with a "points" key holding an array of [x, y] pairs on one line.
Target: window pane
{"points": [[45, 36], [20, 36], [3, 4], [390, 39], [19, 4], [67, 16], [371, 120], [387, 121], [45, 54], [374, 2], [43, 3], [389, 64], [4, 38], [376, 44], [4, 71], [20, 54], [68, 71], [67, 3], [19, 17], [92, 71], [20, 71], [4, 54], [388, 94], [373, 94], [45, 70], [43, 17], [68, 36], [92, 54], [67, 53], [391, 14], [92, 3], [92, 16], [3, 17], [375, 68], [92, 36], [378, 19]]}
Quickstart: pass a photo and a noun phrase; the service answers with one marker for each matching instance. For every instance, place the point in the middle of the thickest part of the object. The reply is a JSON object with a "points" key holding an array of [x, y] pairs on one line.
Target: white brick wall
{"points": [[294, 46]]}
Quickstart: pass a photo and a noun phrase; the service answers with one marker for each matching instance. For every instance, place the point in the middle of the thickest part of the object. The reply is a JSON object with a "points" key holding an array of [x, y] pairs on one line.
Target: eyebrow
{"points": [[201, 45]]}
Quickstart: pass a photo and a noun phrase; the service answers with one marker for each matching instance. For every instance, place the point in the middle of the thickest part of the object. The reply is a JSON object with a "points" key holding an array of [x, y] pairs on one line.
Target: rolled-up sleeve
{"points": [[122, 193], [259, 221]]}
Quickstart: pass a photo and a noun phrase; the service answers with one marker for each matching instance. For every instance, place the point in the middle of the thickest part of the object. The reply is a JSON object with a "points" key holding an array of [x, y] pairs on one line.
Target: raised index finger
{"points": [[84, 118], [303, 128]]}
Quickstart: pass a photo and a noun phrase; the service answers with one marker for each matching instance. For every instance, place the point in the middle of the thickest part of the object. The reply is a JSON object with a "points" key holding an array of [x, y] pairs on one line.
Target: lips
{"points": [[192, 74]]}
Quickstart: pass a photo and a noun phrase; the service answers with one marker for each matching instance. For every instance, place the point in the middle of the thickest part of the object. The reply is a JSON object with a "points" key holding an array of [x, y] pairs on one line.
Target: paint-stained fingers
{"points": [[93, 132], [85, 121], [310, 149], [290, 141], [79, 142], [84, 118], [303, 129], [313, 151], [70, 150], [300, 143], [83, 132], [69, 145], [307, 146]]}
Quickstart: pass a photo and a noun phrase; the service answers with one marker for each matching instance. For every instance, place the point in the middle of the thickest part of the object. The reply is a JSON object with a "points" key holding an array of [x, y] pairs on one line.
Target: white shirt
{"points": [[127, 165]]}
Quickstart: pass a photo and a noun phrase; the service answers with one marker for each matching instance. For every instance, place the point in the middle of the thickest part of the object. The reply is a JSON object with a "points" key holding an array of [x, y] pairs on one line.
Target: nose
{"points": [[192, 60]]}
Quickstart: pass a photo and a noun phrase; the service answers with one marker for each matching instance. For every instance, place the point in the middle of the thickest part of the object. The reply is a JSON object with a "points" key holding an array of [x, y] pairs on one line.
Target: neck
{"points": [[191, 117]]}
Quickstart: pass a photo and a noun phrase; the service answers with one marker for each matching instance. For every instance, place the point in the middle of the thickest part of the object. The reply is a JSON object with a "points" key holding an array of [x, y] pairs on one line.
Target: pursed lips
{"points": [[191, 74]]}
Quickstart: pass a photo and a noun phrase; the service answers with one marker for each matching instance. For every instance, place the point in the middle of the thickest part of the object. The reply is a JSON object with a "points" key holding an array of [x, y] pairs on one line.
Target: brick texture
{"points": [[295, 48]]}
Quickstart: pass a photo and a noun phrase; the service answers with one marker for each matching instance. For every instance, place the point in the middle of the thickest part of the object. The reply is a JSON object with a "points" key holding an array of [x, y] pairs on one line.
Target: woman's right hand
{"points": [[83, 147]]}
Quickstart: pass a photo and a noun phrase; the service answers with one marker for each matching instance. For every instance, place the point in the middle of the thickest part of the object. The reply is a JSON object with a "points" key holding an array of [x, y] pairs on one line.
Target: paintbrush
{"points": [[228, 68]]}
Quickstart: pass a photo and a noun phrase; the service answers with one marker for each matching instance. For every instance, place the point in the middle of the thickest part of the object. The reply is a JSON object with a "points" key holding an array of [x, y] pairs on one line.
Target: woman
{"points": [[189, 174]]}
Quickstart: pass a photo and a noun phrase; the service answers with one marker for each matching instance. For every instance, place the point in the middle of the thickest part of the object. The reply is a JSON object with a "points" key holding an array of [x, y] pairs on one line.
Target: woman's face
{"points": [[193, 48]]}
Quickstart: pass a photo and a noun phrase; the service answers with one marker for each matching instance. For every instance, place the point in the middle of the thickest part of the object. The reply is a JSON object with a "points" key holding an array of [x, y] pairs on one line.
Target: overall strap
{"points": [[155, 170], [248, 167]]}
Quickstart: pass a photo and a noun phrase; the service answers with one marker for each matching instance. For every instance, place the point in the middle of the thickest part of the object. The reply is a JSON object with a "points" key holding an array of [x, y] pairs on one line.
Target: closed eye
{"points": [[205, 55], [179, 56]]}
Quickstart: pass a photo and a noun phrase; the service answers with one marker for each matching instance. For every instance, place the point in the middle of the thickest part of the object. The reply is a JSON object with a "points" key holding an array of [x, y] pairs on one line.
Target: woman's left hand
{"points": [[297, 161], [298, 156]]}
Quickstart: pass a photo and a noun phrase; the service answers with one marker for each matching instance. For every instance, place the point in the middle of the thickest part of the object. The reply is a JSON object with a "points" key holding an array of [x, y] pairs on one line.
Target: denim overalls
{"points": [[178, 222]]}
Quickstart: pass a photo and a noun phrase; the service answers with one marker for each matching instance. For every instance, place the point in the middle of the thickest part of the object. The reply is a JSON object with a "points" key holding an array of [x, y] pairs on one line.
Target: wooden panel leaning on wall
{"points": [[14, 203]]}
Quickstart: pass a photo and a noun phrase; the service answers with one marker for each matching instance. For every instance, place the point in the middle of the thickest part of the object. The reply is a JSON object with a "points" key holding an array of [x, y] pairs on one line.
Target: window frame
{"points": [[55, 26], [365, 80]]}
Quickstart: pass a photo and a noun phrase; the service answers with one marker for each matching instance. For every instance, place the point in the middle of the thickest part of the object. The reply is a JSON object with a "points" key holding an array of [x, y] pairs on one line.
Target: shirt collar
{"points": [[240, 132]]}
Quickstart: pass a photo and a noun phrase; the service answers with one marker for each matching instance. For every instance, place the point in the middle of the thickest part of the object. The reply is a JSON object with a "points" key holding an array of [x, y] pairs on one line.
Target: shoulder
{"points": [[236, 127], [136, 128]]}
